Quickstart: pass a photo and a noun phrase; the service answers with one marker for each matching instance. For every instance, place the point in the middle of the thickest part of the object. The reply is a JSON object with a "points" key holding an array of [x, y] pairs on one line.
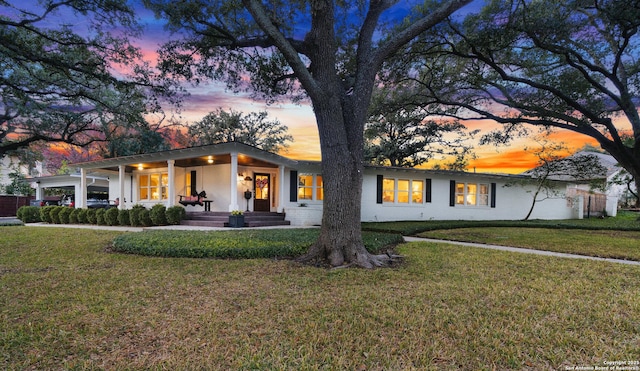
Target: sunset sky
{"points": [[300, 120]]}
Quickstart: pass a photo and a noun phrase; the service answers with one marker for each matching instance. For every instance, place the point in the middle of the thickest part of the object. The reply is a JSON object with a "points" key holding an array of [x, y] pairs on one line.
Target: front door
{"points": [[261, 184]]}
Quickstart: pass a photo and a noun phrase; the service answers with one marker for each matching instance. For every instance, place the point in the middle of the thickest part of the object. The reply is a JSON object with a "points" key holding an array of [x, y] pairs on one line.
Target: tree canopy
{"points": [[325, 51], [572, 65], [403, 135], [64, 83], [232, 126]]}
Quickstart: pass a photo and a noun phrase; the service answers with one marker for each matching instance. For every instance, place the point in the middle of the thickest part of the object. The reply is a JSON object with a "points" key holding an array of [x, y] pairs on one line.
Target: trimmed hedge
{"points": [[64, 214], [175, 214], [250, 244], [158, 214], [29, 214], [111, 216], [138, 216], [123, 217], [45, 213]]}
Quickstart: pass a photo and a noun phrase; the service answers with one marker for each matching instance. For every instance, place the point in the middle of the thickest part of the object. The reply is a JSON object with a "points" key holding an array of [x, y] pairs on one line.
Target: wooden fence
{"points": [[9, 205], [595, 204]]}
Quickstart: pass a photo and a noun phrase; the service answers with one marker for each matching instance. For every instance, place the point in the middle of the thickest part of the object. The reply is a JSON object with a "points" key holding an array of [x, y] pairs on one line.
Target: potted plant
{"points": [[236, 219]]}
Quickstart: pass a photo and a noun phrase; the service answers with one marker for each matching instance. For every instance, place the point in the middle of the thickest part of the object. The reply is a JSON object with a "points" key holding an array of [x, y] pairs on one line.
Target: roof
{"points": [[608, 164], [194, 156]]}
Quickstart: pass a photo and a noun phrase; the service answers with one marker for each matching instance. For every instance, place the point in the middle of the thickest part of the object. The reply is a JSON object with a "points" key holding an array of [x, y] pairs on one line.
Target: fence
{"points": [[595, 204], [9, 205]]}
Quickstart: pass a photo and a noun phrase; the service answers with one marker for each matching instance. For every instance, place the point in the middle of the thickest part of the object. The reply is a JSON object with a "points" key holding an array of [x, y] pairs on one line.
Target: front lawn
{"points": [[600, 243], [624, 221], [65, 303]]}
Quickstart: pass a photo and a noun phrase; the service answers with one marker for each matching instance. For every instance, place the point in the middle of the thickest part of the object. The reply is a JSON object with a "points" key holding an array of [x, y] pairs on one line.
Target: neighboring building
{"points": [[275, 183]]}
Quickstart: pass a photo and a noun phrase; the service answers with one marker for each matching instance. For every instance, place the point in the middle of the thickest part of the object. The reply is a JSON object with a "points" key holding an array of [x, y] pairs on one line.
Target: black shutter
{"points": [[194, 191], [493, 195], [452, 193], [427, 189], [379, 179], [293, 186]]}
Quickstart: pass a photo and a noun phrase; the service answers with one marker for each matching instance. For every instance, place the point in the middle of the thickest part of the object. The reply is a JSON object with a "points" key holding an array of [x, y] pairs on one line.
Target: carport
{"points": [[72, 182]]}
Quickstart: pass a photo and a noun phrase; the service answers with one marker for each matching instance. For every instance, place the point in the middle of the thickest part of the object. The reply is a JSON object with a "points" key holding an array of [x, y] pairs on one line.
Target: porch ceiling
{"points": [[194, 156], [243, 160]]}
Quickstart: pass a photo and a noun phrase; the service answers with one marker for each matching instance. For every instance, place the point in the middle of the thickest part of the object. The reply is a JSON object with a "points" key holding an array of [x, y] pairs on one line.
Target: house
{"points": [[594, 183], [236, 176]]}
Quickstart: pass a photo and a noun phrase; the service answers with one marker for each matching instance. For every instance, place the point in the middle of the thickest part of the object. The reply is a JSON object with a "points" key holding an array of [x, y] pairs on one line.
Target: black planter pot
{"points": [[236, 221]]}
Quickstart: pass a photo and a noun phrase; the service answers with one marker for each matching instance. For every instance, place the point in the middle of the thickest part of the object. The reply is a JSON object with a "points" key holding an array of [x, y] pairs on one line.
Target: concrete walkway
{"points": [[523, 250]]}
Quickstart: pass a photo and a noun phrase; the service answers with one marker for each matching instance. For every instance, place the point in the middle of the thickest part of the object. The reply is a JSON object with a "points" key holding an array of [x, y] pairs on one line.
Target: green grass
{"points": [[600, 243], [625, 221], [65, 303]]}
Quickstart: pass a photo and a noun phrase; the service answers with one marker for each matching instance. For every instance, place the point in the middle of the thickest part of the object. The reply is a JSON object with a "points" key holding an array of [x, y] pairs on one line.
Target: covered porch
{"points": [[234, 176]]}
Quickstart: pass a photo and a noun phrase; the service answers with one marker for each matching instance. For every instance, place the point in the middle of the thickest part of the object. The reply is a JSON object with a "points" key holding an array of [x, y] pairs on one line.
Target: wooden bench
{"points": [[193, 200]]}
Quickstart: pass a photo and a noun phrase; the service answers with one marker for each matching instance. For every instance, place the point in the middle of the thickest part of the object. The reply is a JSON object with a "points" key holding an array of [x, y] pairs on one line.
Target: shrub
{"points": [[91, 216], [82, 216], [239, 245], [64, 214], [73, 217], [55, 214], [158, 214], [134, 215], [123, 217], [175, 214], [45, 213], [100, 220], [111, 216], [145, 218], [29, 214]]}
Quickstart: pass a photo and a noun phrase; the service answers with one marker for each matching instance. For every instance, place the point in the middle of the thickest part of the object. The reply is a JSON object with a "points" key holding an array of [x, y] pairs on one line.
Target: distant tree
{"points": [[19, 185], [58, 82], [554, 165], [569, 65], [253, 129]]}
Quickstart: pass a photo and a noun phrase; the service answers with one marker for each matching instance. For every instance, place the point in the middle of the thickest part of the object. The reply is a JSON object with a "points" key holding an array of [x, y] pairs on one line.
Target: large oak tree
{"points": [[64, 81], [572, 65], [327, 51]]}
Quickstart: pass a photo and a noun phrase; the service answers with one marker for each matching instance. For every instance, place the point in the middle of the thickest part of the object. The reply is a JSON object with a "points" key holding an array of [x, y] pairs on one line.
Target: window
{"points": [[310, 185], [402, 191], [472, 194], [319, 188], [388, 190], [305, 187], [153, 186], [417, 191], [188, 183]]}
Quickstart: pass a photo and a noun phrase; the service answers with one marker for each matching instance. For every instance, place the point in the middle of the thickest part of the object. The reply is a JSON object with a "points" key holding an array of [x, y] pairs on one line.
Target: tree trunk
{"points": [[340, 241]]}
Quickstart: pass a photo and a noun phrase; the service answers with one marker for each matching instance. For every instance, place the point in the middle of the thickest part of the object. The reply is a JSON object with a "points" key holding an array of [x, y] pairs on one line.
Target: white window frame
{"points": [[409, 193], [316, 187], [476, 198], [163, 189]]}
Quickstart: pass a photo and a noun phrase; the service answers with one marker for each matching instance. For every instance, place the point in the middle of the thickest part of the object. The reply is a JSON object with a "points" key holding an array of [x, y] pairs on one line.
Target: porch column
{"points": [[172, 182], [281, 192], [233, 195], [121, 176], [81, 196], [39, 191]]}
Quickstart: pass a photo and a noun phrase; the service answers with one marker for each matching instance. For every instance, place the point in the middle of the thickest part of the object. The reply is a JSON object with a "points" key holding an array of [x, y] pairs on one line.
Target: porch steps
{"points": [[221, 219]]}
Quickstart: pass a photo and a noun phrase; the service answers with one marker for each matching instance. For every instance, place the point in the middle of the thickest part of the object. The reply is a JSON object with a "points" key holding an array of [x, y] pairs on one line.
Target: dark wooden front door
{"points": [[262, 186]]}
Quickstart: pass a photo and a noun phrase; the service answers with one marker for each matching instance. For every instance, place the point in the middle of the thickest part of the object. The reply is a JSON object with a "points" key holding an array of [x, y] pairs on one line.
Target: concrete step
{"points": [[221, 219]]}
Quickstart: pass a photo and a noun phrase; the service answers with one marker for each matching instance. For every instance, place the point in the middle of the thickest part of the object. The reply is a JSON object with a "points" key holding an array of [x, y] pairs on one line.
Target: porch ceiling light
{"points": [[140, 167], [210, 159]]}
